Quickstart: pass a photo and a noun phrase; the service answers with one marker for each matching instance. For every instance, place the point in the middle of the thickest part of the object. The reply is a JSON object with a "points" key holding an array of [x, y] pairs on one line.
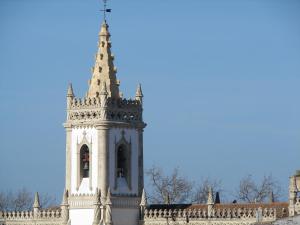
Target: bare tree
{"points": [[47, 201], [250, 191], [170, 189], [23, 200], [201, 192]]}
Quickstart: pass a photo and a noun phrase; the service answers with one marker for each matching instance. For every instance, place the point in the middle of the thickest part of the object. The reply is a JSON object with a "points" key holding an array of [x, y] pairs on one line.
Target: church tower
{"points": [[104, 147]]}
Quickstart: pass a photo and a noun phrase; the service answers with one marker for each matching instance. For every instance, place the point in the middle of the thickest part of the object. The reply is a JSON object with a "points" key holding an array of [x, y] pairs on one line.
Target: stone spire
{"points": [[108, 214], [143, 205], [70, 92], [143, 199], [65, 198], [210, 200], [65, 208], [139, 94], [97, 207], [210, 203], [36, 203], [104, 70]]}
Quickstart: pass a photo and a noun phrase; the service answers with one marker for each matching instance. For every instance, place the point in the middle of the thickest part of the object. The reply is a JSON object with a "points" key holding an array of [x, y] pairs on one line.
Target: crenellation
{"points": [[90, 109]]}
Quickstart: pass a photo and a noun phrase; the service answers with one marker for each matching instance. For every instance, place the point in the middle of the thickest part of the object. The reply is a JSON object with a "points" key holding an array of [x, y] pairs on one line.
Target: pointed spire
{"points": [[70, 92], [143, 199], [104, 70], [210, 200], [65, 198], [108, 197], [97, 200], [36, 203], [139, 94], [104, 29], [108, 213]]}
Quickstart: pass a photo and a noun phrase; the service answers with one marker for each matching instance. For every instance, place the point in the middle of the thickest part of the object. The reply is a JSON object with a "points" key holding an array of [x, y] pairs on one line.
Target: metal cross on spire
{"points": [[105, 9]]}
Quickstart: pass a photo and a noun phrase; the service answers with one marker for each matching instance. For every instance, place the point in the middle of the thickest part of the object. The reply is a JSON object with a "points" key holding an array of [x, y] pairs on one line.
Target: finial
{"points": [[143, 199], [105, 10], [139, 92], [108, 196], [70, 92], [36, 203], [108, 213], [65, 198], [210, 200], [97, 200]]}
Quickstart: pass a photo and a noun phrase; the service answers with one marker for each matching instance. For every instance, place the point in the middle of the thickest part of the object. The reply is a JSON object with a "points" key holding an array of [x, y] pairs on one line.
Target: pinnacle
{"points": [[210, 200], [70, 92], [65, 198], [108, 200], [143, 199], [36, 203], [139, 92], [97, 199]]}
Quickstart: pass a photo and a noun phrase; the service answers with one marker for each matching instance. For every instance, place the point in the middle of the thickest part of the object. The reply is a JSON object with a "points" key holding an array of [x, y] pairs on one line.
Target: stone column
{"points": [[68, 156], [103, 164]]}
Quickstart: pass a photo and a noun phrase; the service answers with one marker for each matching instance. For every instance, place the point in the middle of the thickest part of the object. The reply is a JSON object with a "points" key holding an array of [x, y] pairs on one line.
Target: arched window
{"points": [[123, 165], [84, 161], [122, 161]]}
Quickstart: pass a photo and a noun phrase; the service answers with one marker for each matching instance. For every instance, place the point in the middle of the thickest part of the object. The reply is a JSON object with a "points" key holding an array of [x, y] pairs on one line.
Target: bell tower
{"points": [[104, 147]]}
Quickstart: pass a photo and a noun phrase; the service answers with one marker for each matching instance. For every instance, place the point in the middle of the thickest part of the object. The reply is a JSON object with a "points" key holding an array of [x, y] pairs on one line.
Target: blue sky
{"points": [[220, 78]]}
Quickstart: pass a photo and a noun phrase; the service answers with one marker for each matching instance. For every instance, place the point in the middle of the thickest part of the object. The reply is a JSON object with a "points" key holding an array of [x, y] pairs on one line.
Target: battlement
{"points": [[91, 109]]}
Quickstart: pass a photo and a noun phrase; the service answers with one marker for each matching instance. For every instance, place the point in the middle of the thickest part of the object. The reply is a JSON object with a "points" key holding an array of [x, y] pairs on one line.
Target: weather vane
{"points": [[105, 9]]}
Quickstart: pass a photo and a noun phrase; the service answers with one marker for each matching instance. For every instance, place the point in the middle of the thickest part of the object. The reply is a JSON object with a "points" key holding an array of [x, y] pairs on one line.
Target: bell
{"points": [[86, 166]]}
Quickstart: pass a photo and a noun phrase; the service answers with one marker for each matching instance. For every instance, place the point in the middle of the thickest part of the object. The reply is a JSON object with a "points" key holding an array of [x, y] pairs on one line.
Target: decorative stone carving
{"points": [[108, 214], [97, 208]]}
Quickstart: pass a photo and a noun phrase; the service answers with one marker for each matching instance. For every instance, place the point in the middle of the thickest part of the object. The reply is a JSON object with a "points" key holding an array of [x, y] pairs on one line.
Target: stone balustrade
{"points": [[220, 214], [51, 217]]}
